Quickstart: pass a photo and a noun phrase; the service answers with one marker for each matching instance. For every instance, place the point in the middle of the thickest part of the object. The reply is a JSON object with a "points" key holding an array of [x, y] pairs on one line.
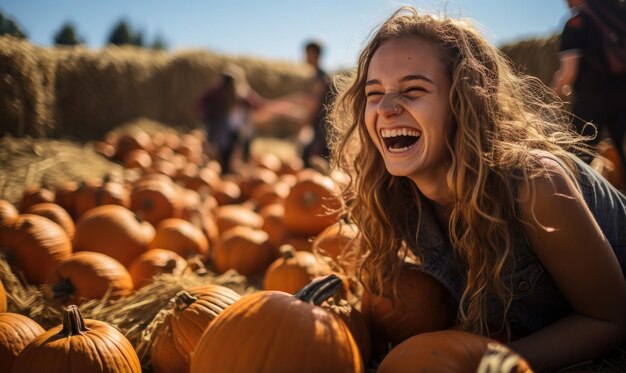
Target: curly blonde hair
{"points": [[499, 116]]}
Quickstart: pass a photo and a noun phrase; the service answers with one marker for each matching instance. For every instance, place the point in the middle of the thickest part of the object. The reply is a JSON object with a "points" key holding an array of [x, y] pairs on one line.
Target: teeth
{"points": [[387, 133], [399, 150]]}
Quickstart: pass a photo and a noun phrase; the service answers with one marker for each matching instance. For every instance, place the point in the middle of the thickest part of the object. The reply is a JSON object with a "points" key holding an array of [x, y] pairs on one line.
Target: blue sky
{"points": [[273, 29]]}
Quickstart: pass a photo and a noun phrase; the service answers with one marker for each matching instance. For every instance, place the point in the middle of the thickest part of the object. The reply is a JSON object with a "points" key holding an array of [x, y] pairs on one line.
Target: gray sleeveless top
{"points": [[537, 301]]}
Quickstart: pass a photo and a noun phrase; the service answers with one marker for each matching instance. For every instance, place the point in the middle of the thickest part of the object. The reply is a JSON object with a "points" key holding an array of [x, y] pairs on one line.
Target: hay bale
{"points": [[535, 57], [26, 88]]}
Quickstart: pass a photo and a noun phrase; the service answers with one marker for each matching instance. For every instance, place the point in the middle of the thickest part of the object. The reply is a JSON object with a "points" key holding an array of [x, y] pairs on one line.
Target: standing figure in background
{"points": [[225, 109], [321, 95], [590, 70]]}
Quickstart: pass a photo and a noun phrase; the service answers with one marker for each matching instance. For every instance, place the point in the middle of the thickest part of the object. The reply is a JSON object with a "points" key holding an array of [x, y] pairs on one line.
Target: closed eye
{"points": [[373, 93]]}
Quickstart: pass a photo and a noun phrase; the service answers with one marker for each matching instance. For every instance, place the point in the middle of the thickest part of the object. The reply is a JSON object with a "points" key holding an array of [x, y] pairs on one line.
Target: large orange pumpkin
{"points": [[442, 351], [78, 345], [276, 332], [181, 237], [422, 305], [293, 271], [57, 214], [36, 245], [311, 204], [244, 249], [16, 331], [154, 262], [89, 275], [115, 231], [181, 330]]}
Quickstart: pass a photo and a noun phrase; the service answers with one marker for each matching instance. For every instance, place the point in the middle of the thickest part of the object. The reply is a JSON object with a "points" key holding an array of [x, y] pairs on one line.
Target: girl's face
{"points": [[408, 114]]}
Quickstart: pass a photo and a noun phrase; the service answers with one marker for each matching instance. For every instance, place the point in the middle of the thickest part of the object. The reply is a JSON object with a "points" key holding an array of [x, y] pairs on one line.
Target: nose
{"points": [[389, 106]]}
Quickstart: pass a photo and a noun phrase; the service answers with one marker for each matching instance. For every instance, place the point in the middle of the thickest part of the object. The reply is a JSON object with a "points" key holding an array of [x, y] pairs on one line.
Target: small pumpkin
{"points": [[7, 211], [336, 239], [155, 200], [181, 330], [422, 305], [293, 270], [311, 204], [181, 237], [115, 231], [291, 334], [36, 246], [78, 345], [244, 249], [89, 275], [229, 216], [274, 223], [55, 213], [154, 262], [98, 192], [65, 196], [452, 351], [16, 331], [34, 195]]}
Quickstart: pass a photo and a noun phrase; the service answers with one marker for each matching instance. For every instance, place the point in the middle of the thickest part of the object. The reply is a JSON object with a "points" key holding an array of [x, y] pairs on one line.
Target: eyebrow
{"points": [[404, 79]]}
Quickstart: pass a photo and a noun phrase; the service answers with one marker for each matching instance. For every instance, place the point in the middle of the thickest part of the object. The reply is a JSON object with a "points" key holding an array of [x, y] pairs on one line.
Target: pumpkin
{"points": [[88, 275], [230, 216], [78, 345], [355, 321], [138, 159], [65, 196], [442, 351], [421, 306], [244, 249], [7, 211], [181, 330], [34, 195], [154, 262], [55, 213], [253, 177], [115, 231], [336, 239], [127, 142], [277, 332], [293, 271], [226, 192], [311, 203], [266, 194], [274, 223], [181, 237], [3, 298], [155, 200], [16, 331], [98, 192], [36, 246]]}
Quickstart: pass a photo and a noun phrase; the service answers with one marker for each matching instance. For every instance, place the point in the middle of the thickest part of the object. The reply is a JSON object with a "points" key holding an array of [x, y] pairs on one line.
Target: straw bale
{"points": [[26, 96], [536, 57]]}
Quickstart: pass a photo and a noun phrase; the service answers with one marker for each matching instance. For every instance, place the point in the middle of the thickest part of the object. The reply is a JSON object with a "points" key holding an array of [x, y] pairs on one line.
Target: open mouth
{"points": [[400, 140]]}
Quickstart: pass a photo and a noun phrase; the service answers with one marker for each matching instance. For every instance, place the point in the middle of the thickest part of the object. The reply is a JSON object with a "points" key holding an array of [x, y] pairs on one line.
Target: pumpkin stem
{"points": [[184, 300], [287, 251], [320, 289], [73, 322], [62, 289]]}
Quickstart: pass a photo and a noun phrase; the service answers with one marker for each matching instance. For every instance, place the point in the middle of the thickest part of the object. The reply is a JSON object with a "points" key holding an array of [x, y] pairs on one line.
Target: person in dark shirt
{"points": [[599, 94], [321, 91]]}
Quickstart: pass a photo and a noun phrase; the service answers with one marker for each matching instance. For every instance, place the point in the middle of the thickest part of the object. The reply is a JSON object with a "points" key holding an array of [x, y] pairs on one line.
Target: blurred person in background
{"points": [[590, 74], [225, 108]]}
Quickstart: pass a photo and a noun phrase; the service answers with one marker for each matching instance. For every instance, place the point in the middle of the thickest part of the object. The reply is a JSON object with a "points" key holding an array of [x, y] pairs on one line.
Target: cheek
{"points": [[370, 124]]}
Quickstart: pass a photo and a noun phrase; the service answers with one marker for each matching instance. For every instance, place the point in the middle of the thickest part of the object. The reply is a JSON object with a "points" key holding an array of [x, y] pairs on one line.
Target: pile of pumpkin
{"points": [[272, 221]]}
